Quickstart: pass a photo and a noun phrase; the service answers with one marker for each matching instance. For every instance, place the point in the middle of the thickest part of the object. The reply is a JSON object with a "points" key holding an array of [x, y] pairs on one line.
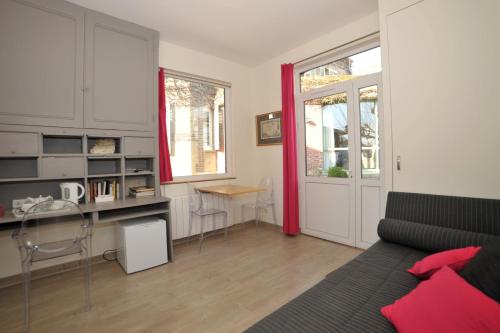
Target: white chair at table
{"points": [[265, 200], [39, 239], [196, 208]]}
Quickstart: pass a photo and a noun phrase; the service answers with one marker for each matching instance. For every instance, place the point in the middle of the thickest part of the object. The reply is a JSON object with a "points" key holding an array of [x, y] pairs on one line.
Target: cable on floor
{"points": [[105, 254]]}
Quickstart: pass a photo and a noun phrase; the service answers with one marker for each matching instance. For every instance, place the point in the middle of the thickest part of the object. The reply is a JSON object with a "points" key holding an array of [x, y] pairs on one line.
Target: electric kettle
{"points": [[69, 191]]}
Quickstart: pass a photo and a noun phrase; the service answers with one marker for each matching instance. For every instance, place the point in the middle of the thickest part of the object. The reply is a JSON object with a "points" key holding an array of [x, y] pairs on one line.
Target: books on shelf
{"points": [[103, 190], [141, 191]]}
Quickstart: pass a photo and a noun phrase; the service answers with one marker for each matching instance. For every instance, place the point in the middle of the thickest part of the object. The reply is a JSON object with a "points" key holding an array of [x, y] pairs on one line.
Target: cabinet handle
{"points": [[12, 151], [398, 163], [64, 175]]}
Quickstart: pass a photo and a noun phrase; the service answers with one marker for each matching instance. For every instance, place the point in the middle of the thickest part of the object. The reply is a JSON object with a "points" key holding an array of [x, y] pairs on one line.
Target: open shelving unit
{"points": [[59, 158]]}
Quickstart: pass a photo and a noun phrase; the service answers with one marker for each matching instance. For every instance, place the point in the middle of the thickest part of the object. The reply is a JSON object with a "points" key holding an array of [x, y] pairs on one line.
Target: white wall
{"points": [[267, 78]]}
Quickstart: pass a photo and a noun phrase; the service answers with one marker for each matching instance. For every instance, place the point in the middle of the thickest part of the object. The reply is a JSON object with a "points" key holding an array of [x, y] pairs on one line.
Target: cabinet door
{"points": [[41, 63], [444, 82], [120, 74]]}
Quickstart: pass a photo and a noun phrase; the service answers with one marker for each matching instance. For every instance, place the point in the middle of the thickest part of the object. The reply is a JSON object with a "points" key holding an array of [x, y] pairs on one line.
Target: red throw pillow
{"points": [[456, 259], [444, 303]]}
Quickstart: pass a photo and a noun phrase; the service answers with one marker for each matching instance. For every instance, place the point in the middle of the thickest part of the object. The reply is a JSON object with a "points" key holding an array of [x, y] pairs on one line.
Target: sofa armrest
{"points": [[428, 237]]}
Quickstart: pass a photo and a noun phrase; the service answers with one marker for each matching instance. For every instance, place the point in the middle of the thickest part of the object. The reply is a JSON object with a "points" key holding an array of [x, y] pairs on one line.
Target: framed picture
{"points": [[268, 128]]}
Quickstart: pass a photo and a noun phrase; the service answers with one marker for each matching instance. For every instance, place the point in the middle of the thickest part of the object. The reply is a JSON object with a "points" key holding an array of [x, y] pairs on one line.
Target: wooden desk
{"points": [[114, 211], [230, 190]]}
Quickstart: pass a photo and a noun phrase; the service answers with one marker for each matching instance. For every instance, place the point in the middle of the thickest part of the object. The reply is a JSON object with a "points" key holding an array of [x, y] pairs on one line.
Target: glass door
{"points": [[339, 143], [368, 113], [326, 129]]}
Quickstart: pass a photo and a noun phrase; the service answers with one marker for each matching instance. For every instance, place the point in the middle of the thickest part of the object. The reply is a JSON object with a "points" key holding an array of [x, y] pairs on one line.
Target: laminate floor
{"points": [[226, 288]]}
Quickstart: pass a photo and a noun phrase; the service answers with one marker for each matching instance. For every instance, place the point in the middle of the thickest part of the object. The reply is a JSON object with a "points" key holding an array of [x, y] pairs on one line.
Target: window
{"points": [[369, 132], [363, 63], [327, 139], [196, 125]]}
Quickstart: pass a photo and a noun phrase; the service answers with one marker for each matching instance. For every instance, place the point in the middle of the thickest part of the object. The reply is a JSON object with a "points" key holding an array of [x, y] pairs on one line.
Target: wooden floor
{"points": [[226, 288]]}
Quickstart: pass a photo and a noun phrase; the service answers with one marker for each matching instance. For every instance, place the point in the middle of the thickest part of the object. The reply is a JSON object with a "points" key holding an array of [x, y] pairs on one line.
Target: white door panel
{"points": [[370, 215], [319, 215]]}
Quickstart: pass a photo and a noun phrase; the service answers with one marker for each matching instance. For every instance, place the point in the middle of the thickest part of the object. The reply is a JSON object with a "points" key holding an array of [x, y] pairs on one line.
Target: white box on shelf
{"points": [[141, 243], [104, 198]]}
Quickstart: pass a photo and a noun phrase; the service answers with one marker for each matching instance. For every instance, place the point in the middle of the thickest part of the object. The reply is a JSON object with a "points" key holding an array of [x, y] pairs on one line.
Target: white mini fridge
{"points": [[141, 243]]}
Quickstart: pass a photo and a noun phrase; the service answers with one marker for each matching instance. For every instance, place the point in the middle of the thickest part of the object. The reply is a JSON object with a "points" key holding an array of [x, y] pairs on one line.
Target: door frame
{"points": [[338, 88], [351, 87]]}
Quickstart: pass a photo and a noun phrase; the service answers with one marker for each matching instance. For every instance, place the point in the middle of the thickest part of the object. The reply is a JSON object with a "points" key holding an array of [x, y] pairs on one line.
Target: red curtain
{"points": [[290, 183], [165, 167]]}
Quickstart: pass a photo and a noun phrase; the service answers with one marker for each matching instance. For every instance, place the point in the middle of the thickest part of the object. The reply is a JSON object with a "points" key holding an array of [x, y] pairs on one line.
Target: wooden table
{"points": [[225, 193], [230, 190]]}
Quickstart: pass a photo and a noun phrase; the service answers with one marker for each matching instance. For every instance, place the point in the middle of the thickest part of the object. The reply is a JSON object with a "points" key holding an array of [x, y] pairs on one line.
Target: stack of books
{"points": [[141, 191], [103, 190]]}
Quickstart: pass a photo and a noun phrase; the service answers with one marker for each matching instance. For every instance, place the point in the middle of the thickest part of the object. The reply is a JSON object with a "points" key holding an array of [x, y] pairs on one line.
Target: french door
{"points": [[339, 154]]}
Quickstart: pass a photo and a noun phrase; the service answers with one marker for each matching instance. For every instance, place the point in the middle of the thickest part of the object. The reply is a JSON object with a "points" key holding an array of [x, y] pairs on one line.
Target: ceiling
{"points": [[248, 32]]}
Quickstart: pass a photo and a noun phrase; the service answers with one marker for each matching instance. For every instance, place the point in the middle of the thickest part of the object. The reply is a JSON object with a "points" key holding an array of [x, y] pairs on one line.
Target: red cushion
{"points": [[456, 259], [444, 303]]}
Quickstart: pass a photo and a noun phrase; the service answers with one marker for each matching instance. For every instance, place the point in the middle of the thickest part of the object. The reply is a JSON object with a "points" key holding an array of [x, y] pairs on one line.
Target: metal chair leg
{"points": [[225, 226], [191, 217], [258, 214], [26, 267], [87, 262], [273, 207], [202, 223]]}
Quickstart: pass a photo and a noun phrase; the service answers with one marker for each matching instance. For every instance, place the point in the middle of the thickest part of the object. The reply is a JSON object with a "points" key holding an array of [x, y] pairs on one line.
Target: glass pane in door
{"points": [[369, 132], [327, 139]]}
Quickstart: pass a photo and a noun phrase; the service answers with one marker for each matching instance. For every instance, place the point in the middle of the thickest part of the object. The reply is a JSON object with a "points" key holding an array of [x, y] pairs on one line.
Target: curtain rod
{"points": [[336, 48]]}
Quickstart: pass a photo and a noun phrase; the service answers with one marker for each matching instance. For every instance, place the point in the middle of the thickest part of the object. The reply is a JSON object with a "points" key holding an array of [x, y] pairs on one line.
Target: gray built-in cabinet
{"points": [[64, 65], [69, 77]]}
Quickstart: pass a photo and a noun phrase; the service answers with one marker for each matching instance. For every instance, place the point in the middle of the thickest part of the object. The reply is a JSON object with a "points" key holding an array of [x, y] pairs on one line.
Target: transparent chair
{"points": [[39, 240], [196, 208], [265, 200]]}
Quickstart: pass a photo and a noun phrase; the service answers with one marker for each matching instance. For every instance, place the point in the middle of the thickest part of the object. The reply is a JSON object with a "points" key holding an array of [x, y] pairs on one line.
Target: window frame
{"points": [[227, 126], [361, 45]]}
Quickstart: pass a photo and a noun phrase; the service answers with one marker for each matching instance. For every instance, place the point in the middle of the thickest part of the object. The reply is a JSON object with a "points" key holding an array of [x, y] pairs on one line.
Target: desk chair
{"points": [[265, 199], [38, 240], [196, 208]]}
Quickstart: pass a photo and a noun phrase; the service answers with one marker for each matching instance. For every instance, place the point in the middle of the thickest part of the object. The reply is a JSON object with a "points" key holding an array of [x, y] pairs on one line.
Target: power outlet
{"points": [[17, 203]]}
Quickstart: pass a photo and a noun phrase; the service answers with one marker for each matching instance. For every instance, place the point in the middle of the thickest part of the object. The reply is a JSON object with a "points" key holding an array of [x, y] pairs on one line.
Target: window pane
{"points": [[195, 116], [369, 131], [360, 64], [327, 140]]}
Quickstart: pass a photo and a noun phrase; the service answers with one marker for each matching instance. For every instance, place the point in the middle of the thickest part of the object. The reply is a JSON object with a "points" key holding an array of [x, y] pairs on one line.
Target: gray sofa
{"points": [[349, 299]]}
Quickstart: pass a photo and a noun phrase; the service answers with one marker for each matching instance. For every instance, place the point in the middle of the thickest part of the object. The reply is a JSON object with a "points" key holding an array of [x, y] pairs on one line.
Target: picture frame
{"points": [[268, 128]]}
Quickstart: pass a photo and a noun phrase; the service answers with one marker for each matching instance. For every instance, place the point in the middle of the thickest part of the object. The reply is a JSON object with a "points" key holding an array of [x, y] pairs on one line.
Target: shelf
{"points": [[92, 142], [107, 175], [18, 167], [37, 179], [62, 144], [140, 173], [104, 157], [62, 155], [130, 213], [110, 211], [131, 157], [103, 166]]}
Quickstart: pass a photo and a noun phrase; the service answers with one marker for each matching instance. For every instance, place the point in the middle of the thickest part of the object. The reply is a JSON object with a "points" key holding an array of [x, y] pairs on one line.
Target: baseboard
{"points": [[47, 271], [237, 226]]}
